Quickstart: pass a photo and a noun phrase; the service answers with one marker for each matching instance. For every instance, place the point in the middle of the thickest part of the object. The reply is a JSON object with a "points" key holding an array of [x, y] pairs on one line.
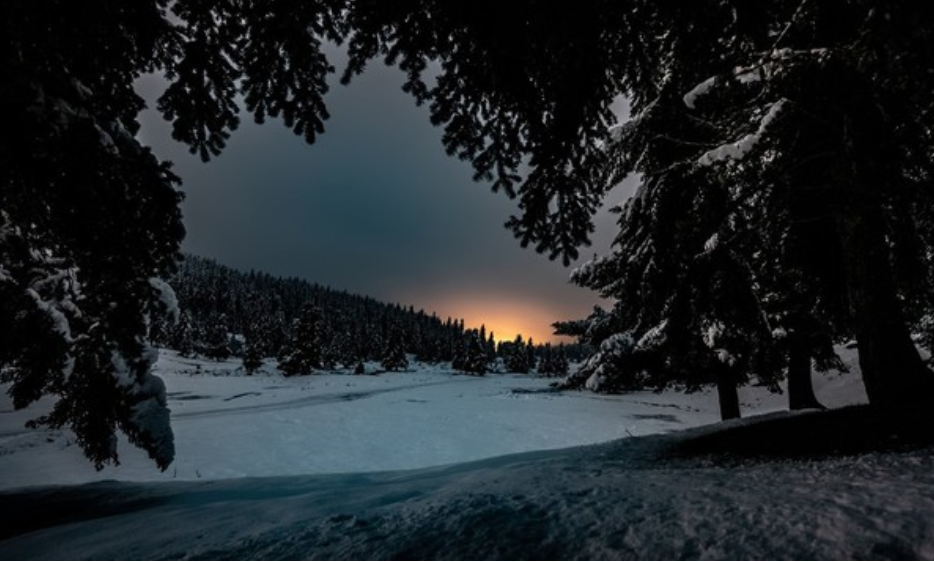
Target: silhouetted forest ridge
{"points": [[224, 312]]}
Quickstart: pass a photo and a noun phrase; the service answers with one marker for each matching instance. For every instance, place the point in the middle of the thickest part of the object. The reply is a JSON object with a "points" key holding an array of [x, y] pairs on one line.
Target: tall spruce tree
{"points": [[304, 355], [252, 359], [472, 358], [517, 359], [394, 358]]}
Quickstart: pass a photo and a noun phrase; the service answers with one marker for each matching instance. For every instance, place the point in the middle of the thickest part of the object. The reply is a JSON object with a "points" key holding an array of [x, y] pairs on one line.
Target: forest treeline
{"points": [[305, 327]]}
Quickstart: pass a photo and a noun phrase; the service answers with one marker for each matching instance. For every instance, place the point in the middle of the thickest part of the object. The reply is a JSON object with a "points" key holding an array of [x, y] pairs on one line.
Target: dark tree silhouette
{"points": [[89, 221], [394, 358], [517, 357], [305, 347]]}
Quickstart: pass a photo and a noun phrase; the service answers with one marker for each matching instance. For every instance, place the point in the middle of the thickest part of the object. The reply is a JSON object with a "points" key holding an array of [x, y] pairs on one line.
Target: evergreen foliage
{"points": [[252, 360], [554, 361], [517, 356], [304, 353], [787, 163], [262, 309], [471, 357], [89, 221], [394, 358]]}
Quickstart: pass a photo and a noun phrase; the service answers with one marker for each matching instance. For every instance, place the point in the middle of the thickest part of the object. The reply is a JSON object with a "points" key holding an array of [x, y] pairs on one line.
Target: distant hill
{"points": [[224, 312]]}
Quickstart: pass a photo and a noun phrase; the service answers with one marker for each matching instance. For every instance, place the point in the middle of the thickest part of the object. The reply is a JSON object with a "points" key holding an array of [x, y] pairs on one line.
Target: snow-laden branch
{"points": [[739, 149], [690, 98], [167, 298]]}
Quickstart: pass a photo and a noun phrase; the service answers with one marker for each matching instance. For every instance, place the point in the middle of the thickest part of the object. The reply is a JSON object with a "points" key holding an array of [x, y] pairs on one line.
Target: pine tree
{"points": [[545, 362], [559, 362], [304, 354], [252, 359], [216, 341], [517, 360], [181, 336], [491, 350], [554, 362], [394, 358], [89, 222], [473, 356]]}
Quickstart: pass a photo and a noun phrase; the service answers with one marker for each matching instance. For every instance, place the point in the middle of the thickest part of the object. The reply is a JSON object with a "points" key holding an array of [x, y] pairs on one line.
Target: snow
{"points": [[602, 502], [149, 421], [329, 423], [690, 98], [738, 150], [350, 470], [60, 323], [167, 298], [711, 244], [749, 75]]}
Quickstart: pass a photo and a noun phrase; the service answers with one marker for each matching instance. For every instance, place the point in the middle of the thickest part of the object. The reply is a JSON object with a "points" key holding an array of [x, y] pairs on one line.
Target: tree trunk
{"points": [[893, 372], [728, 393], [800, 390]]}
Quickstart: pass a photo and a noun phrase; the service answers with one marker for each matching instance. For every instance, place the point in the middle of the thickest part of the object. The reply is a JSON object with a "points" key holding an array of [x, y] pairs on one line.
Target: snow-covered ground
{"points": [[228, 425], [317, 441]]}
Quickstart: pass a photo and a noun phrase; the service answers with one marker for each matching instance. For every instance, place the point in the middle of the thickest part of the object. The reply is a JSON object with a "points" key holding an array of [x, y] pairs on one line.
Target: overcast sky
{"points": [[374, 207]]}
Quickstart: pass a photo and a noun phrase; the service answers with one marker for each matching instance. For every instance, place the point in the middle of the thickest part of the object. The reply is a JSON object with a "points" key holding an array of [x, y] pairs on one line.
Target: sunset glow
{"points": [[505, 316]]}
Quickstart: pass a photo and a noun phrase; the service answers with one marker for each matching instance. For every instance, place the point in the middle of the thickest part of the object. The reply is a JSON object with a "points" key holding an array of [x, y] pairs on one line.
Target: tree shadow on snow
{"points": [[814, 434]]}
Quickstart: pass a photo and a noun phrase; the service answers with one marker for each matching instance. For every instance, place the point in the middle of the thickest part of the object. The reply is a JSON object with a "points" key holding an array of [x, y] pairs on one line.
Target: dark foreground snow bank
{"points": [[635, 498]]}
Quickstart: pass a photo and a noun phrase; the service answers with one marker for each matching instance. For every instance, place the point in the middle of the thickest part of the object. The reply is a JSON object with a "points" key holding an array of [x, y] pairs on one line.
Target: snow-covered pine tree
{"points": [[803, 183], [554, 361], [89, 222], [517, 358], [216, 341], [394, 358], [181, 336], [559, 362], [304, 355], [491, 350], [531, 357], [472, 357], [545, 365], [252, 359]]}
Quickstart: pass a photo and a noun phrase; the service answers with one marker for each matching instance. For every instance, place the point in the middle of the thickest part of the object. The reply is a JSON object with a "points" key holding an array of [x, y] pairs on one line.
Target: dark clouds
{"points": [[375, 207]]}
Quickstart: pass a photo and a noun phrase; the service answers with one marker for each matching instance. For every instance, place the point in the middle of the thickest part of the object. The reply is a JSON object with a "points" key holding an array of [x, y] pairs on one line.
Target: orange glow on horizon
{"points": [[505, 317]]}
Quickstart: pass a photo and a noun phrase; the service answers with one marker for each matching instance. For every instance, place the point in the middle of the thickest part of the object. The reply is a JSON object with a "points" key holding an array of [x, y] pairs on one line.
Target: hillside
{"points": [[225, 312]]}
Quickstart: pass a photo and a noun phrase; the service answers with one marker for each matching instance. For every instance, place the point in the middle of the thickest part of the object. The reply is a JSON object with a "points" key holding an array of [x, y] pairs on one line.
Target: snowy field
{"points": [[434, 465], [228, 425]]}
